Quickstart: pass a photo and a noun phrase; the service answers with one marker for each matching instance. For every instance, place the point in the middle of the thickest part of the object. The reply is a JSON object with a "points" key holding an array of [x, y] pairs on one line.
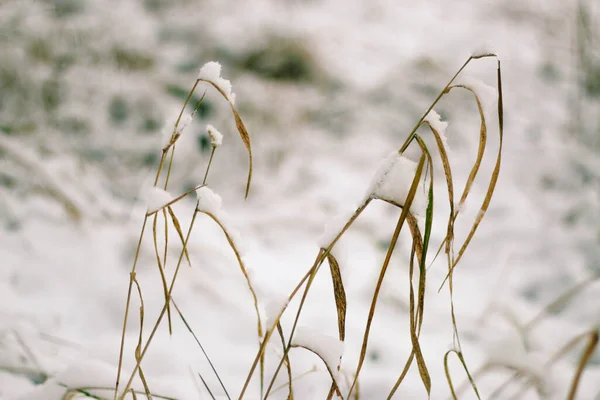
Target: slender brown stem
{"points": [[164, 309], [321, 257]]}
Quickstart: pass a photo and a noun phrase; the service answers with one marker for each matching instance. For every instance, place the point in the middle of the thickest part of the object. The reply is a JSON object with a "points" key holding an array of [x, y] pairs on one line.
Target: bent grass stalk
{"points": [[419, 252]]}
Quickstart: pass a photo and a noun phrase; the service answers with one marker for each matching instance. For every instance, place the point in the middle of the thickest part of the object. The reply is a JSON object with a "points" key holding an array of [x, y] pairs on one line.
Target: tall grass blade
{"points": [[384, 267]]}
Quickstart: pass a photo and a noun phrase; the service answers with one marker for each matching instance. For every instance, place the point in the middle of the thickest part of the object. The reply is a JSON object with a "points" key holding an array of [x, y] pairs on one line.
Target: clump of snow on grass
{"points": [[334, 227], [481, 50], [157, 198], [216, 137], [434, 119], [208, 201], [488, 95], [234, 235], [393, 180], [170, 132], [275, 303], [330, 349], [211, 72]]}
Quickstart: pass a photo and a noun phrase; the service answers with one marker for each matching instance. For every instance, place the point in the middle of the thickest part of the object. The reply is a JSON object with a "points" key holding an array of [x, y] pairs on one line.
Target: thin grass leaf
{"points": [[308, 278], [412, 134], [139, 345], [127, 304], [331, 373], [162, 273], [175, 200], [206, 386], [248, 282], [416, 347], [177, 226], [187, 325], [339, 293], [340, 303], [239, 124], [426, 236], [450, 186], [286, 362], [87, 391], [449, 378], [494, 178], [162, 312], [384, 267]]}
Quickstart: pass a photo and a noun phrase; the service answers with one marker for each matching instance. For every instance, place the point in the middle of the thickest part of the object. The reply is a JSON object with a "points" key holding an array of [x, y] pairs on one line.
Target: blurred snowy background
{"points": [[327, 88]]}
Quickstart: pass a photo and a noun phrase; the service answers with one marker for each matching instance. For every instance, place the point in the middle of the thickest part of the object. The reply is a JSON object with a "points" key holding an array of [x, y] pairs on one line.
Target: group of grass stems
{"points": [[418, 258]]}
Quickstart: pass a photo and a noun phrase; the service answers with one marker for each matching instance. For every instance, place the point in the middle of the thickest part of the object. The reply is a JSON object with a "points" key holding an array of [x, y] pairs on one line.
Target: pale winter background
{"points": [[327, 89]]}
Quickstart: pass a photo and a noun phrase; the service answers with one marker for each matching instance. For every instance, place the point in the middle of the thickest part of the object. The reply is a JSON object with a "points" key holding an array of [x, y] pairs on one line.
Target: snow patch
{"points": [[488, 95], [330, 349], [434, 119], [216, 137], [334, 227], [274, 305], [157, 199], [393, 180], [211, 72], [208, 201]]}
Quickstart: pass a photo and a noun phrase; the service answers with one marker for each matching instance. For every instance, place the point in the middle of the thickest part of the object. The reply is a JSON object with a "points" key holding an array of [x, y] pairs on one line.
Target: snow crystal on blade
{"points": [[211, 71], [157, 199], [434, 119], [216, 137], [208, 201], [327, 347], [393, 180]]}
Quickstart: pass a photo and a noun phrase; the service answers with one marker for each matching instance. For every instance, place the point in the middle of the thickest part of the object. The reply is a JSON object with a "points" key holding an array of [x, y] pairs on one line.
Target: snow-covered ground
{"points": [[327, 89]]}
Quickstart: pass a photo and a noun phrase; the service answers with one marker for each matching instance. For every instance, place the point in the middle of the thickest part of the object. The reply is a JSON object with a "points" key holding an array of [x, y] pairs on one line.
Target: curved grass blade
{"points": [[287, 363], [449, 378], [340, 303], [242, 131], [331, 373], [162, 273], [583, 361], [248, 282], [384, 267], [308, 278]]}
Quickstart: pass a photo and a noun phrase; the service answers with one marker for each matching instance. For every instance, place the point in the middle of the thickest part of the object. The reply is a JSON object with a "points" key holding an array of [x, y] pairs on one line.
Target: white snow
{"points": [[334, 227], [329, 348], [312, 149], [157, 198], [440, 126], [216, 137], [84, 373], [393, 180], [488, 95], [275, 303], [211, 72], [208, 201], [184, 122]]}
